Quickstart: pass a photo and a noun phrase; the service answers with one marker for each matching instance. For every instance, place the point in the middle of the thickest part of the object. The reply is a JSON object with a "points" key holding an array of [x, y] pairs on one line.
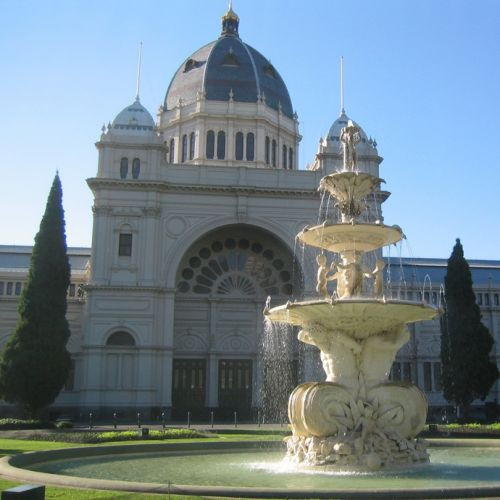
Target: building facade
{"points": [[195, 218]]}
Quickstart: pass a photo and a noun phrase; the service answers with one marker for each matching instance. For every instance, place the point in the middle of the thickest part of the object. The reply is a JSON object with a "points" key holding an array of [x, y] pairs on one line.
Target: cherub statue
{"points": [[378, 274], [350, 279], [324, 275], [350, 136]]}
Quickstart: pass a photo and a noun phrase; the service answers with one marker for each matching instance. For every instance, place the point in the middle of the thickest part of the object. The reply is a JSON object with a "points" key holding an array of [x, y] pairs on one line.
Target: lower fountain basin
{"points": [[363, 317], [459, 468]]}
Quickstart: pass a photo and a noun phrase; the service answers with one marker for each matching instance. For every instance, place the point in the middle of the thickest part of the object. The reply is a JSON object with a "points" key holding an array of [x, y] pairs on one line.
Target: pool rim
{"points": [[11, 468]]}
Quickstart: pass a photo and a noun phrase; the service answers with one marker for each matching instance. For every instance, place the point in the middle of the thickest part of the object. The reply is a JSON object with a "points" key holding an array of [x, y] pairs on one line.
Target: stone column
{"points": [[166, 359], [212, 368]]}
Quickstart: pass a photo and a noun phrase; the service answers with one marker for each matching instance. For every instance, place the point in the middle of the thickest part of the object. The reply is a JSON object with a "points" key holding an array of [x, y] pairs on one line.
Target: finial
{"points": [[231, 94], [342, 111], [138, 86]]}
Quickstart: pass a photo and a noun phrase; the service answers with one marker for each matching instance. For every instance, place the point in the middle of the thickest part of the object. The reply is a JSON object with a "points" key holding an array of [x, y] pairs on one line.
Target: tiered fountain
{"points": [[357, 418]]}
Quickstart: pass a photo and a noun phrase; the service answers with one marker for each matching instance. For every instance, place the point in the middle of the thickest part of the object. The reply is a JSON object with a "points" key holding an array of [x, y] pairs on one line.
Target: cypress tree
{"points": [[34, 364], [466, 342]]}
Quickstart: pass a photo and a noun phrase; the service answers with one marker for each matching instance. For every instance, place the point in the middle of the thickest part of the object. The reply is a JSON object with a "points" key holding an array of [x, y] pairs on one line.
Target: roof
{"points": [[134, 119], [418, 269], [15, 258], [229, 68], [365, 146]]}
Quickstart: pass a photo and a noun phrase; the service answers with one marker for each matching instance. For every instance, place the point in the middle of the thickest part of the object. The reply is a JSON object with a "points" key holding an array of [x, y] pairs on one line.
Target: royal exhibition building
{"points": [[195, 218]]}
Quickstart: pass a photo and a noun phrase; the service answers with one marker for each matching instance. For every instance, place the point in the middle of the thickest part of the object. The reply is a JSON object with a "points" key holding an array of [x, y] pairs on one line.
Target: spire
{"points": [[342, 110], [230, 21], [138, 85]]}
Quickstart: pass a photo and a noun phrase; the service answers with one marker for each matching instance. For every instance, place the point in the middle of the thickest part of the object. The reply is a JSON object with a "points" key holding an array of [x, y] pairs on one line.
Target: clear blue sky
{"points": [[421, 76]]}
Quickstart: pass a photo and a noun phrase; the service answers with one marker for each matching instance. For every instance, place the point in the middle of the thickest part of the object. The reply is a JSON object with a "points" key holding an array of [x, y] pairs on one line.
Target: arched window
{"points": [[238, 150], [274, 153], [171, 151], [290, 158], [136, 168], [123, 168], [210, 149], [268, 142], [184, 148], [283, 159], [121, 338], [221, 145], [191, 145], [250, 146]]}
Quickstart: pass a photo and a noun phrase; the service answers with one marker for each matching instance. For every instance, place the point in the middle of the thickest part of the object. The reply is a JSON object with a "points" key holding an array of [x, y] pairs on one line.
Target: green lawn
{"points": [[14, 446]]}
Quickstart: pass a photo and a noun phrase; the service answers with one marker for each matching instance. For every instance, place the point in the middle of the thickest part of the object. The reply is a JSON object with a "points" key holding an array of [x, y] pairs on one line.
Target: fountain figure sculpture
{"points": [[356, 418]]}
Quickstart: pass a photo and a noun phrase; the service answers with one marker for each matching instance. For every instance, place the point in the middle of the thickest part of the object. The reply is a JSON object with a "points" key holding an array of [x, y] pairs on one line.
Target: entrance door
{"points": [[188, 388], [235, 388]]}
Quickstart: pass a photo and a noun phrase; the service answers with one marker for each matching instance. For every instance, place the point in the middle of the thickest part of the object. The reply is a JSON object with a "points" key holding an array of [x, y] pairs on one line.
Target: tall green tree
{"points": [[468, 373], [34, 364]]}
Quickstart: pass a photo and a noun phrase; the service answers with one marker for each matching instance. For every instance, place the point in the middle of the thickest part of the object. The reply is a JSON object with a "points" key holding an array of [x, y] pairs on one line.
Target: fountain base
{"points": [[356, 452]]}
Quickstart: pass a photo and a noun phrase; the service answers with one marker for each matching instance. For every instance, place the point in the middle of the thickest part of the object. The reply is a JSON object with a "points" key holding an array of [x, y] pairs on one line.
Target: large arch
{"points": [[222, 281]]}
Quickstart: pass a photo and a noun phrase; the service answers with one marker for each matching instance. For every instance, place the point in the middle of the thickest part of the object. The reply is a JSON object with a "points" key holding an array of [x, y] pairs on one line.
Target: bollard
{"points": [[212, 419], [91, 423], [114, 420], [189, 419], [138, 420], [163, 419], [258, 418], [143, 432], [235, 419]]}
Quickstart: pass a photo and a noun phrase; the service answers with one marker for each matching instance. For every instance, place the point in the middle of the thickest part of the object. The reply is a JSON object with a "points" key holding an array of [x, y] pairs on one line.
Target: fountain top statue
{"points": [[356, 418]]}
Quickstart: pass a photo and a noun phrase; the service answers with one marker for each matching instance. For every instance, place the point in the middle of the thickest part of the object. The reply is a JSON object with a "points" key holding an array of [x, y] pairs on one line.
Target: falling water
{"points": [[279, 372]]}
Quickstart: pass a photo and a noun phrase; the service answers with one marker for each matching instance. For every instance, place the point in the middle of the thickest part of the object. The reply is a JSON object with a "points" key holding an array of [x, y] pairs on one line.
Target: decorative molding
{"points": [[165, 186]]}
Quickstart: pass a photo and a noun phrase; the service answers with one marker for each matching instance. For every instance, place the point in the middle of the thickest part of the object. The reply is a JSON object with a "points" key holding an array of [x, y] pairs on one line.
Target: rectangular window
{"points": [[125, 245], [497, 299], [9, 287], [437, 376], [19, 285], [396, 371], [407, 372], [72, 290], [480, 299], [487, 299], [427, 376], [1, 287]]}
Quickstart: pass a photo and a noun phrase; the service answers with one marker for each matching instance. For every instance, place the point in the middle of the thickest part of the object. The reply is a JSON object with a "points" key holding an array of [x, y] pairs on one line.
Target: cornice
{"points": [[130, 145], [164, 186], [128, 288]]}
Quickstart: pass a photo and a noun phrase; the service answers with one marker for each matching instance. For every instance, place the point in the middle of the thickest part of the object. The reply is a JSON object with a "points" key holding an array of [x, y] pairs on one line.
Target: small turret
{"points": [[230, 22]]}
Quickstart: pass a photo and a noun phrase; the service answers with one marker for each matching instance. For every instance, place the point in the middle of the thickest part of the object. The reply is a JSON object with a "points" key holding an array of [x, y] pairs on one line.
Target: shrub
{"points": [[64, 424], [16, 423]]}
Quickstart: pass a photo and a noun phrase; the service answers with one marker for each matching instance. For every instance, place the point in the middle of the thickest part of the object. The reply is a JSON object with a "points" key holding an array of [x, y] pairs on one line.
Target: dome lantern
{"points": [[230, 22]]}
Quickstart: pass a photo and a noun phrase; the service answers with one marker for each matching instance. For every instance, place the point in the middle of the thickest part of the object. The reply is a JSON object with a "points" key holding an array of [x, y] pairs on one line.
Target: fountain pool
{"points": [[458, 468]]}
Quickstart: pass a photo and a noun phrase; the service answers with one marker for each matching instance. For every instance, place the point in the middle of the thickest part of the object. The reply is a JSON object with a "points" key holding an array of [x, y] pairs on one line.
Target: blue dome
{"points": [[229, 66]]}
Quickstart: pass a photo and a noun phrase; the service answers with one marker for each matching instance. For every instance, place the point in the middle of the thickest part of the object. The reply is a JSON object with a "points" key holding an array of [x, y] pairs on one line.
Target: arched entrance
{"points": [[222, 284]]}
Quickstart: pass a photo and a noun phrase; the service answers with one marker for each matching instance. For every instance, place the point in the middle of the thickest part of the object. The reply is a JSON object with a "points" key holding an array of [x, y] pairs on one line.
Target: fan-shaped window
{"points": [[171, 151], [121, 338], [250, 146], [238, 150], [192, 140], [123, 168], [230, 60], [237, 266], [284, 157], [269, 70], [221, 145], [210, 149], [184, 148], [136, 168], [268, 147], [290, 158], [274, 153]]}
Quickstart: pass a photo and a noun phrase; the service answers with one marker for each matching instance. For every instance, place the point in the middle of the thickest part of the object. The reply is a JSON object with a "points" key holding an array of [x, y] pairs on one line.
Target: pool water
{"points": [[450, 466]]}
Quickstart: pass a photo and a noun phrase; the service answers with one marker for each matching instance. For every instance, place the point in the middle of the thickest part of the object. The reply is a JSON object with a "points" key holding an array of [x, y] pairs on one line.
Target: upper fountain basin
{"points": [[358, 317], [350, 237], [357, 185]]}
